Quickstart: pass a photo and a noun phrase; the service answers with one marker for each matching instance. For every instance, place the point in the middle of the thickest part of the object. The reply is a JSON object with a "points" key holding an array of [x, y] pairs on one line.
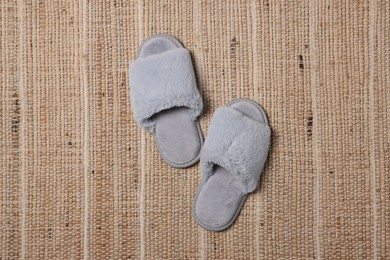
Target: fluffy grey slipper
{"points": [[232, 159], [166, 100]]}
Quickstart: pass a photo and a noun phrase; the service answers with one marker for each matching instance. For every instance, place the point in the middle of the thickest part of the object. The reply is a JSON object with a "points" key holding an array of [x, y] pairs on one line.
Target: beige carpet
{"points": [[79, 179]]}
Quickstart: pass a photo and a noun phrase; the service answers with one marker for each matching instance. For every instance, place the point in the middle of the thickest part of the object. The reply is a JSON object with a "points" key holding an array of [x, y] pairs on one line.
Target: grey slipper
{"points": [[166, 100], [232, 159]]}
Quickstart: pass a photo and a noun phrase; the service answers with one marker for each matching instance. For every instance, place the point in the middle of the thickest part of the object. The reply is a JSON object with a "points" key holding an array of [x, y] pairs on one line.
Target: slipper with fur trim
{"points": [[232, 159], [165, 99]]}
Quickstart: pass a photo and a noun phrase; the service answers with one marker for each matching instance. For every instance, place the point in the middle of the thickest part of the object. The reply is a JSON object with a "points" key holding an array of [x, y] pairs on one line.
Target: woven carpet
{"points": [[79, 179]]}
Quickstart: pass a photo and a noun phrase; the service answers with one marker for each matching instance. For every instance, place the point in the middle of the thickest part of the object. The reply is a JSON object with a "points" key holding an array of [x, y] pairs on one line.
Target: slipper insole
{"points": [[178, 137], [221, 197]]}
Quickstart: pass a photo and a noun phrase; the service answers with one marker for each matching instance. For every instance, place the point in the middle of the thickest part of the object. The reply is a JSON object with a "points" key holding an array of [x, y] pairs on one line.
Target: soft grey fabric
{"points": [[237, 143], [230, 172], [177, 136], [157, 44], [219, 200], [165, 99], [162, 81]]}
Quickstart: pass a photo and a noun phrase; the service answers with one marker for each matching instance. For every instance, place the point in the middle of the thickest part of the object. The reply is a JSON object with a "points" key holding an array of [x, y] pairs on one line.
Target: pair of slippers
{"points": [[166, 102]]}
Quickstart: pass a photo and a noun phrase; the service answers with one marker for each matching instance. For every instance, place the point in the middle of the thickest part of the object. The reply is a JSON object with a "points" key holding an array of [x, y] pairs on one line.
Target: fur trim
{"points": [[163, 81], [237, 143]]}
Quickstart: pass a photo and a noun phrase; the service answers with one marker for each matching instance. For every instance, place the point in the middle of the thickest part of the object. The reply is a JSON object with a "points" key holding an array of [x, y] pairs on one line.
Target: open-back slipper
{"points": [[232, 159], [165, 99]]}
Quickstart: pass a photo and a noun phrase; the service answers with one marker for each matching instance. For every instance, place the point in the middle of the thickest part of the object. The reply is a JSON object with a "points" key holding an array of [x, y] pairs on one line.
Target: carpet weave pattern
{"points": [[79, 179]]}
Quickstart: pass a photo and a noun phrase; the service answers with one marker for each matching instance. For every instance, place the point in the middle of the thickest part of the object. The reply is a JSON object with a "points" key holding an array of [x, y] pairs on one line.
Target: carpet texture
{"points": [[79, 179]]}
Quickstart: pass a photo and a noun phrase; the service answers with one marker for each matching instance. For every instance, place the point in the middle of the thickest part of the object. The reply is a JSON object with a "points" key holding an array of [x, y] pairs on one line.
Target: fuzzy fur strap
{"points": [[163, 81], [237, 143]]}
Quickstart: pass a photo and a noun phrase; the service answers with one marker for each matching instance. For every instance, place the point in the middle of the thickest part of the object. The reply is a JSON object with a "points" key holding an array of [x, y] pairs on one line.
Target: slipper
{"points": [[232, 159], [165, 99]]}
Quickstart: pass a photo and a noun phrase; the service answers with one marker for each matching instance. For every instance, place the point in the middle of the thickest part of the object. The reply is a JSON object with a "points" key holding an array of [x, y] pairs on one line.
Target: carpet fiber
{"points": [[79, 179]]}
